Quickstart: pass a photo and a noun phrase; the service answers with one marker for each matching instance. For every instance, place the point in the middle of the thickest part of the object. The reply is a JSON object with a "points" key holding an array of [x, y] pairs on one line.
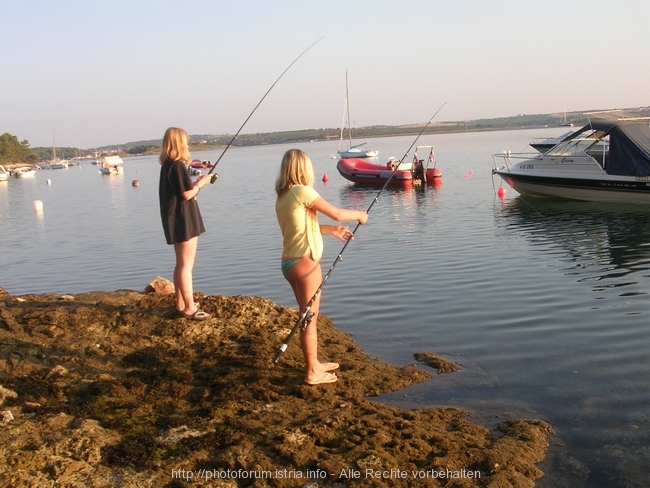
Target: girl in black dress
{"points": [[181, 218]]}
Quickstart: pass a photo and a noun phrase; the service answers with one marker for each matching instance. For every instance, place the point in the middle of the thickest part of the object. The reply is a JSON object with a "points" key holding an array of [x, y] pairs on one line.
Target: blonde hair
{"points": [[295, 169], [175, 146]]}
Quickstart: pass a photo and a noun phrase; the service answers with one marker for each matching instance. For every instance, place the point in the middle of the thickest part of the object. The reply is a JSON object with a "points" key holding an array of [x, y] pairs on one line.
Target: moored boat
{"points": [[355, 152], [4, 174], [196, 163], [110, 165], [606, 161], [396, 173], [542, 144], [352, 151], [62, 164], [24, 172]]}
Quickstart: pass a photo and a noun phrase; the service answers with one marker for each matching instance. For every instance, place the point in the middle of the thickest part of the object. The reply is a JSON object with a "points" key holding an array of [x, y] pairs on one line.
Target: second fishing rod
{"points": [[306, 315]]}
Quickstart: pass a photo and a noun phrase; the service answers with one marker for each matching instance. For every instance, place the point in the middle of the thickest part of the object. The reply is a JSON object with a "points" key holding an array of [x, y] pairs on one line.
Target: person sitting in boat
{"points": [[392, 164]]}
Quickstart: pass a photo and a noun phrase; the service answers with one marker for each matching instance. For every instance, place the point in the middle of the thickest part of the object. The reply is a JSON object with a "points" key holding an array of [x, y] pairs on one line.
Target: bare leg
{"points": [[185, 255], [305, 277]]}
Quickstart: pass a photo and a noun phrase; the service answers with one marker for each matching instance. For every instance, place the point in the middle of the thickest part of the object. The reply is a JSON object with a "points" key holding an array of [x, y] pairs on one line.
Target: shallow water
{"points": [[543, 302]]}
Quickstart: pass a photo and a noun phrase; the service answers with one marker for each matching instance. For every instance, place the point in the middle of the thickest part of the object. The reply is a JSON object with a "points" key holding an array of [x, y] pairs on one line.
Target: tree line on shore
{"points": [[13, 151]]}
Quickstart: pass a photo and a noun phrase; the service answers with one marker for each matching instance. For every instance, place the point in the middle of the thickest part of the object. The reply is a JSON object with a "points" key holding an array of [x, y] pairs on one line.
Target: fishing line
{"points": [[305, 316], [215, 176]]}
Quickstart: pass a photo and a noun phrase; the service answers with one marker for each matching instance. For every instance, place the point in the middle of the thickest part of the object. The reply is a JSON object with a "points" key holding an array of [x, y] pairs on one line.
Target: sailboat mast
{"points": [[347, 101]]}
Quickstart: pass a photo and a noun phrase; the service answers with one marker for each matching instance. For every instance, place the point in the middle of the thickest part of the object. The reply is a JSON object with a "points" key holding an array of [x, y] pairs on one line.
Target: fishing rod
{"points": [[215, 176], [305, 317]]}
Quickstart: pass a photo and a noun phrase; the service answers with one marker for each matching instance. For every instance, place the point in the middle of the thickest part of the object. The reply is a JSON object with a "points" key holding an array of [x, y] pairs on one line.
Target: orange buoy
{"points": [[325, 177], [501, 192]]}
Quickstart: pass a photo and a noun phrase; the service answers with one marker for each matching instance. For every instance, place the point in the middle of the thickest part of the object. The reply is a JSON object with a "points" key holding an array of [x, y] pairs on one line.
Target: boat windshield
{"points": [[573, 147]]}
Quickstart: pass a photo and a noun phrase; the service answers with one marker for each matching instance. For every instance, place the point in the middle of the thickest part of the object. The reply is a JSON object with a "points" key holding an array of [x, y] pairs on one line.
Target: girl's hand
{"points": [[342, 233], [203, 180]]}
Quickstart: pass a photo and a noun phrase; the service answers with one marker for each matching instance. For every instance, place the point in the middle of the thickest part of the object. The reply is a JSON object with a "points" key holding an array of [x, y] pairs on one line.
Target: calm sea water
{"points": [[544, 303]]}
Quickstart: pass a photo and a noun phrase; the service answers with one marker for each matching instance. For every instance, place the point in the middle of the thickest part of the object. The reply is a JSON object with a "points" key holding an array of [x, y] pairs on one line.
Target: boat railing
{"points": [[508, 156]]}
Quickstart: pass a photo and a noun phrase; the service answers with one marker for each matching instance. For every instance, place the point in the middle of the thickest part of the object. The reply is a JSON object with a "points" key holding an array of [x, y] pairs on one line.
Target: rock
{"points": [[160, 285], [57, 370], [7, 416], [6, 393], [433, 361]]}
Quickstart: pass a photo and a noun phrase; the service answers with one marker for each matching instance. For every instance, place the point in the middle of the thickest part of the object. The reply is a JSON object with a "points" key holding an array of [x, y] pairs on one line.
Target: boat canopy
{"points": [[629, 146], [111, 160]]}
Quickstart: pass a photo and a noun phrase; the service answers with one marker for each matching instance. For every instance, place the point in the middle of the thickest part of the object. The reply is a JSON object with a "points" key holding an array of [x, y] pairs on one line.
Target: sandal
{"points": [[198, 315], [326, 378], [330, 367], [180, 313]]}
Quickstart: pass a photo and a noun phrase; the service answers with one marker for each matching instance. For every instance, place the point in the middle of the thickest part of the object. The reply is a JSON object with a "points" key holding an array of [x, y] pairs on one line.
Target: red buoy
{"points": [[501, 192], [325, 178]]}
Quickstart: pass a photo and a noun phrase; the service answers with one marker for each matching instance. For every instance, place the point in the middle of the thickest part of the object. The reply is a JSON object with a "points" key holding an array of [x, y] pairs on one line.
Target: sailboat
{"points": [[56, 163], [563, 121], [352, 151]]}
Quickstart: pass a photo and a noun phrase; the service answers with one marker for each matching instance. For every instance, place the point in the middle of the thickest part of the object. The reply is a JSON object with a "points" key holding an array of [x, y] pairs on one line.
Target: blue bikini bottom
{"points": [[286, 264]]}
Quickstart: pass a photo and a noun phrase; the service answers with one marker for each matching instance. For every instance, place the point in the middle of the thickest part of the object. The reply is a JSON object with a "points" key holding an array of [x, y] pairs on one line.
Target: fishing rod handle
{"points": [[301, 324]]}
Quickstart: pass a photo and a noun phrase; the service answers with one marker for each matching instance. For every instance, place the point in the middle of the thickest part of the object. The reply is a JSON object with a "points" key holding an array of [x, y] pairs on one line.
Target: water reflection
{"points": [[359, 196], [606, 244]]}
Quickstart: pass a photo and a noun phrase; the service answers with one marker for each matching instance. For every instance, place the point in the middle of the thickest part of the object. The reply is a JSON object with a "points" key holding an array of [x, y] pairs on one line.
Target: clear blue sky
{"points": [[97, 72]]}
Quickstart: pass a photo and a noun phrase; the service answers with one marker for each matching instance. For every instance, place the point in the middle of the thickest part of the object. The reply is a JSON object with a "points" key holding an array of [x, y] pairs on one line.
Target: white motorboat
{"points": [[24, 172], [607, 161], [110, 165], [544, 144], [62, 164], [352, 151], [4, 174]]}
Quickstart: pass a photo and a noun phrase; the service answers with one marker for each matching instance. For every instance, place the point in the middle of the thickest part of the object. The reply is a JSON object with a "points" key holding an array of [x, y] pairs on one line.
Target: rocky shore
{"points": [[107, 389]]}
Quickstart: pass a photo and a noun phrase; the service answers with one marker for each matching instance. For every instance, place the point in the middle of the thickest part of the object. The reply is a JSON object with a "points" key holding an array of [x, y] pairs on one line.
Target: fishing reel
{"points": [[214, 178], [307, 321]]}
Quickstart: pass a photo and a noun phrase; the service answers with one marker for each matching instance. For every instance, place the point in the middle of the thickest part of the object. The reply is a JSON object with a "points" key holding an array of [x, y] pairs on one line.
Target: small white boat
{"points": [[355, 152], [4, 174], [605, 161], [24, 172], [110, 165]]}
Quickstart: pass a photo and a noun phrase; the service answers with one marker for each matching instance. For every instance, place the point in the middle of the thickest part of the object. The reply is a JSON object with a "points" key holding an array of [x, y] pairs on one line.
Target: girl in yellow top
{"points": [[296, 208]]}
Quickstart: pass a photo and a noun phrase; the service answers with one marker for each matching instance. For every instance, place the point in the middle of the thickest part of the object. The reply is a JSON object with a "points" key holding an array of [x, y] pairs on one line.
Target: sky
{"points": [[90, 73]]}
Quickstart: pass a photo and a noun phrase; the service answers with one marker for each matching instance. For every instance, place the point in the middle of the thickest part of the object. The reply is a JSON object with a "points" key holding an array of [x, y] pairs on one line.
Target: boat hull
{"points": [[624, 189], [360, 171], [111, 171], [356, 153]]}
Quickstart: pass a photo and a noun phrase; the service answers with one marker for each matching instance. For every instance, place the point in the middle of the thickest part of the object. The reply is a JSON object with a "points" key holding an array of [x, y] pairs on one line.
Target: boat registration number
{"points": [[527, 166]]}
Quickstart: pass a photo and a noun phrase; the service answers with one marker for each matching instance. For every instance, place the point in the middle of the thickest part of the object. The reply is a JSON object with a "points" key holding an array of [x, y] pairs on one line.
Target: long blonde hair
{"points": [[295, 169], [175, 146]]}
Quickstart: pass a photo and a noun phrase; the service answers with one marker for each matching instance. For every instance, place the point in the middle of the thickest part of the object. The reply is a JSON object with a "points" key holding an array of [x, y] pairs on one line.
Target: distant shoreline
{"points": [[206, 142]]}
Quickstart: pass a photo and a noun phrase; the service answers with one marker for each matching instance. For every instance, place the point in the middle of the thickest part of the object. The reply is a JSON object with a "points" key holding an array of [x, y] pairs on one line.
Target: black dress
{"points": [[181, 219]]}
